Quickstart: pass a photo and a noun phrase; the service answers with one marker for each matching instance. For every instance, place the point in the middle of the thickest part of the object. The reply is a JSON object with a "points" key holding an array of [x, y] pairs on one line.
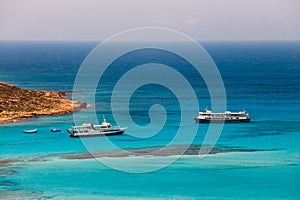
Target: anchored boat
{"points": [[55, 130], [86, 130], [208, 116], [30, 131]]}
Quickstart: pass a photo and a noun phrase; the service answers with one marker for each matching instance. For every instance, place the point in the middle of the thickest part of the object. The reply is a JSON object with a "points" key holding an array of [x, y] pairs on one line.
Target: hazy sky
{"points": [[99, 19]]}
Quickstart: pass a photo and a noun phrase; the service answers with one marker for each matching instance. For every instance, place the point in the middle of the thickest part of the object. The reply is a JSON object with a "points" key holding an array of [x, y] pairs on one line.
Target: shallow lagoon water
{"points": [[222, 175]]}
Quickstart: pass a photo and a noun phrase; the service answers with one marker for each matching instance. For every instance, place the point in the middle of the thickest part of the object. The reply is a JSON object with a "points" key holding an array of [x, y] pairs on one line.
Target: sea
{"points": [[256, 160]]}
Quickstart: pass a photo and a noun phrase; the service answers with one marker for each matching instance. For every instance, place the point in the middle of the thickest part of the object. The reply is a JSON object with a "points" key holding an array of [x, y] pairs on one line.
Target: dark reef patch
{"points": [[164, 151]]}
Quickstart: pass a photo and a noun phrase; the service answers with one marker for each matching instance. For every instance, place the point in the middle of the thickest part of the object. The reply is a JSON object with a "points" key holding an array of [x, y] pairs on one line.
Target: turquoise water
{"points": [[232, 176], [261, 77]]}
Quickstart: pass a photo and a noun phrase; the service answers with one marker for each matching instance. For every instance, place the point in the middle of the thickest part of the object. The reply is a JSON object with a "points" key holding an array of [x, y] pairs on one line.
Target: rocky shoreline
{"points": [[19, 104]]}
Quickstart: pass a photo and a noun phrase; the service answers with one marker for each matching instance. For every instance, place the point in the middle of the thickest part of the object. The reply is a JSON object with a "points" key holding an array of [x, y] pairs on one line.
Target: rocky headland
{"points": [[18, 104]]}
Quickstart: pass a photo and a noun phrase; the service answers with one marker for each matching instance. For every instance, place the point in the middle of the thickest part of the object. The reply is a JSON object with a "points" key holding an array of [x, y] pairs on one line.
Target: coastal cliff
{"points": [[18, 104]]}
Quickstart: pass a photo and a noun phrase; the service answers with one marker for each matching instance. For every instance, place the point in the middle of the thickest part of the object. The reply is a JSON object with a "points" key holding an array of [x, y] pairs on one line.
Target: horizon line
{"points": [[42, 40]]}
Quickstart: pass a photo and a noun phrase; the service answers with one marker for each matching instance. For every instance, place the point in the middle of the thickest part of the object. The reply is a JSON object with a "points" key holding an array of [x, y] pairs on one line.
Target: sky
{"points": [[203, 20]]}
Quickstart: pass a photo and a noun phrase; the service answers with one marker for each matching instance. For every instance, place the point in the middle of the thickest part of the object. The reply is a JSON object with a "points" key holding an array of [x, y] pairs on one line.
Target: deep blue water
{"points": [[261, 77]]}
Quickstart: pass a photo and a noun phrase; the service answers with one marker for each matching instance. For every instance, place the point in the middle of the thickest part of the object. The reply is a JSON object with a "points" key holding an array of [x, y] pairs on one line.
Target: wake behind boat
{"points": [[208, 116], [86, 130]]}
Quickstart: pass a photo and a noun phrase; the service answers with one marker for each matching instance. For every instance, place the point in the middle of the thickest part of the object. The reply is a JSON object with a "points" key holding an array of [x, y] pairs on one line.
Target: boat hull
{"points": [[55, 130], [96, 133], [199, 121], [30, 131]]}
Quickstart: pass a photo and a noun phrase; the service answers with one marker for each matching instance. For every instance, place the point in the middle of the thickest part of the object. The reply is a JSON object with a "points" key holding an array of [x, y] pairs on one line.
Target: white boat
{"points": [[55, 130], [86, 130], [208, 116], [30, 131]]}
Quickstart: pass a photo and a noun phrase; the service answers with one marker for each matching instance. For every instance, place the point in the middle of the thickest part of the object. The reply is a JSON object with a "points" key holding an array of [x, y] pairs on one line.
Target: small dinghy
{"points": [[55, 130], [30, 131]]}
